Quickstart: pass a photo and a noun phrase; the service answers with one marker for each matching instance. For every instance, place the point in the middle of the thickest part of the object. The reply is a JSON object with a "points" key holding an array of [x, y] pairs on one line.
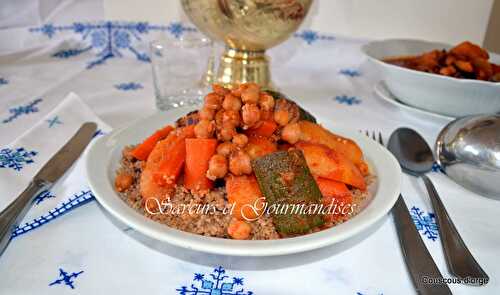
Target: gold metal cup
{"points": [[248, 28]]}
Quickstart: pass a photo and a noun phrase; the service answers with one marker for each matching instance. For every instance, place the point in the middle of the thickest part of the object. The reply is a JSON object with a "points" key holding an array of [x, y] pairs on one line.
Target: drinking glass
{"points": [[182, 70]]}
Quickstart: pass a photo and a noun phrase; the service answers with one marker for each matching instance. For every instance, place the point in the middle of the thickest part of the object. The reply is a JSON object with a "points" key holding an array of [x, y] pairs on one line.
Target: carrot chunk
{"points": [[266, 129], [142, 151], [332, 188], [314, 133], [327, 163], [173, 157], [259, 146], [198, 154], [337, 194]]}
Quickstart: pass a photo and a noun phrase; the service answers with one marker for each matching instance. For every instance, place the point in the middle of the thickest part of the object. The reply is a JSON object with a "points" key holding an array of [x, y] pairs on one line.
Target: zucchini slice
{"points": [[304, 115], [286, 182]]}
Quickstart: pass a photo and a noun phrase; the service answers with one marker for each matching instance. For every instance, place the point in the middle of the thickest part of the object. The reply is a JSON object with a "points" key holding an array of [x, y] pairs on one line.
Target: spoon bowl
{"points": [[413, 153], [468, 150]]}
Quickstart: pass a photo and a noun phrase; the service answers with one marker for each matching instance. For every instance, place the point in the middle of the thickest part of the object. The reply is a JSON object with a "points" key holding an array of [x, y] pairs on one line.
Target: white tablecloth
{"points": [[106, 63]]}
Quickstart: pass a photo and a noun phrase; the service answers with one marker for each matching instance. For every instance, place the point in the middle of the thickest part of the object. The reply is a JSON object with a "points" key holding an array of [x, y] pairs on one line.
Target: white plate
{"points": [[438, 94], [103, 160], [381, 90]]}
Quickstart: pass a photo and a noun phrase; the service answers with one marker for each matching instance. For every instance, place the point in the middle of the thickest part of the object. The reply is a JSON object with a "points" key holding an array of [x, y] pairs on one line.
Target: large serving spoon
{"points": [[416, 158], [468, 150]]}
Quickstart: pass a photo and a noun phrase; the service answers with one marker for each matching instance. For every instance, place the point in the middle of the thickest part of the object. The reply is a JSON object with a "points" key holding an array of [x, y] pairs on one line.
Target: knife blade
{"points": [[44, 179], [421, 266]]}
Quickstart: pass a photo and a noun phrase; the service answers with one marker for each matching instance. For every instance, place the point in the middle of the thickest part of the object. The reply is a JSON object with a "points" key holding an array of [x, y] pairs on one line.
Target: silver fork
{"points": [[419, 261]]}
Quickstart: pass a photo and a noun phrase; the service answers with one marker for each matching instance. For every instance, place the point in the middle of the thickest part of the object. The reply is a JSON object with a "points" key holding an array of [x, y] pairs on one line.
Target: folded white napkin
{"points": [[24, 157]]}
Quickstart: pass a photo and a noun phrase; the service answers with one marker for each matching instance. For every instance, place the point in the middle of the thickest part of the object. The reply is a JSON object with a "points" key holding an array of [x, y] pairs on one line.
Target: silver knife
{"points": [[422, 268], [43, 180]]}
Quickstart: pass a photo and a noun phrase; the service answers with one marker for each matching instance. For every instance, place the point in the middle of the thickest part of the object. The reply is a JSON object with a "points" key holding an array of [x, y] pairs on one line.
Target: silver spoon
{"points": [[468, 149], [416, 158]]}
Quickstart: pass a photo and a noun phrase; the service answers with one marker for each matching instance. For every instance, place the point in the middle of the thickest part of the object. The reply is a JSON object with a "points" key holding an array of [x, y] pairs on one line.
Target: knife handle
{"points": [[15, 212], [418, 259]]}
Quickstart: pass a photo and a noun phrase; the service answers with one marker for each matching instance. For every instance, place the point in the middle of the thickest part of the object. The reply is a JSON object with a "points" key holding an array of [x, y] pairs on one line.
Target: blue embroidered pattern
{"points": [[3, 81], [348, 100], [110, 39], [16, 159], [350, 72], [177, 29], [425, 224], [42, 197], [311, 36], [22, 110], [437, 168], [128, 86], [99, 132], [67, 53], [54, 121], [66, 278], [72, 203], [215, 283]]}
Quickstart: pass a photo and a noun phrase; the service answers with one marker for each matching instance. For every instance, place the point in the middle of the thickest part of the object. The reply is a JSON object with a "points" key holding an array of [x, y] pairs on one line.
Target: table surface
{"points": [[327, 75]]}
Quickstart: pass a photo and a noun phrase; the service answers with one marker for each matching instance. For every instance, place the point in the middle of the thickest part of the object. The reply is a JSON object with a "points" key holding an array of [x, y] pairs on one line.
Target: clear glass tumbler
{"points": [[181, 69]]}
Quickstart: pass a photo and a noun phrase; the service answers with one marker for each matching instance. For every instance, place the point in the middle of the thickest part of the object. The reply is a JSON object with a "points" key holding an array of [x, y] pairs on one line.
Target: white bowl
{"points": [[432, 92], [104, 156]]}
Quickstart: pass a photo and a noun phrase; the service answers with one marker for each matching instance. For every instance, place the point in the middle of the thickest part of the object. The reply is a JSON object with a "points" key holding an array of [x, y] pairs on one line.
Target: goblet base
{"points": [[241, 66]]}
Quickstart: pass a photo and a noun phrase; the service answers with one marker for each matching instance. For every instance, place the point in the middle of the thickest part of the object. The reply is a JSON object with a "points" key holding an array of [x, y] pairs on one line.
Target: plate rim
{"points": [[98, 162], [383, 92]]}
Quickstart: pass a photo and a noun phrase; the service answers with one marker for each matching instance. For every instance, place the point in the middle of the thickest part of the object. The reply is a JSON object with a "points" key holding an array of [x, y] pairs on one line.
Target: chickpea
{"points": [[240, 140], [250, 93], [464, 66], [213, 101], [266, 102], [240, 163], [204, 129], [281, 117], [217, 167], [250, 114], [291, 133], [123, 181], [219, 89], [239, 229], [225, 148], [218, 118], [253, 151], [285, 112], [236, 92], [227, 132], [206, 114], [448, 71], [231, 103], [231, 118]]}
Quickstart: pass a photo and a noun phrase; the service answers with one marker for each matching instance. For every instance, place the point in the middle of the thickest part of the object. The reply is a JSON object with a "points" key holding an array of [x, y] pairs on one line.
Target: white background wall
{"points": [[449, 21]]}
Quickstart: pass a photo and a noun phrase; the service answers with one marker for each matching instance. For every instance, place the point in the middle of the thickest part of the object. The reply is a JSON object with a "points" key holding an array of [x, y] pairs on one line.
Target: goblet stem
{"points": [[241, 66]]}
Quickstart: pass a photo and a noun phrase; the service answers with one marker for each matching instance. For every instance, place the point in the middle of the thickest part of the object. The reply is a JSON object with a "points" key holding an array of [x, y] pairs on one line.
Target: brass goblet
{"points": [[248, 28]]}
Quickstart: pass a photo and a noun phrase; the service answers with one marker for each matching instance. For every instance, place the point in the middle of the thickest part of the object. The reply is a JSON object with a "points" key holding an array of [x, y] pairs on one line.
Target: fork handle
{"points": [[418, 259], [460, 261]]}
